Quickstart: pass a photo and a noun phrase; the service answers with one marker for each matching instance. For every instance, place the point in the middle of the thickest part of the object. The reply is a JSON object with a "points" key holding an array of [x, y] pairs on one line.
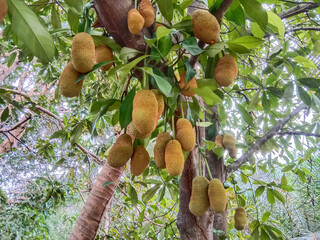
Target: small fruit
{"points": [[217, 196], [185, 134], [226, 71], [159, 149], [104, 53], [147, 11], [135, 21], [186, 89], [205, 26], [174, 158], [67, 82], [139, 160], [3, 9], [160, 101], [240, 218], [121, 151], [199, 201]]}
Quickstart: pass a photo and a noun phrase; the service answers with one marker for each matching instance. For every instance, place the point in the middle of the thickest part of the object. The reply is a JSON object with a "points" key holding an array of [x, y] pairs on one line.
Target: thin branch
{"points": [[26, 119], [305, 7], [303, 29], [298, 133]]}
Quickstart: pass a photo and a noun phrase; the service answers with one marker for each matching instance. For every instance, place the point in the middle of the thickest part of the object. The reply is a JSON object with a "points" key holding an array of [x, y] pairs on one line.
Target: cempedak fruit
{"points": [[174, 158], [83, 52], [104, 53], [199, 201], [233, 152], [160, 101], [185, 134], [147, 11], [133, 132], [240, 218], [219, 141], [186, 89], [3, 9], [139, 160], [145, 111], [67, 82], [228, 141], [121, 151], [205, 26], [226, 71], [217, 196], [135, 21], [159, 149]]}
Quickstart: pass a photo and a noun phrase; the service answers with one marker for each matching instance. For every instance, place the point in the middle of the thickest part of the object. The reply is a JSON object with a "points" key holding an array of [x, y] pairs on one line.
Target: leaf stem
{"points": [[181, 107], [173, 128]]}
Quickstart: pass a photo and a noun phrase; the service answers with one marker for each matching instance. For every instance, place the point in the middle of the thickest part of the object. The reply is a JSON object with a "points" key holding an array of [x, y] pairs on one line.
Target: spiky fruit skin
{"points": [[240, 218], [219, 141], [233, 152], [133, 132], [135, 21], [139, 160], [217, 196], [83, 52], [185, 134], [174, 158], [121, 151], [160, 101], [104, 53], [205, 26], [145, 111], [228, 141], [186, 89], [68, 86], [147, 11], [199, 201], [226, 71], [3, 9], [159, 149]]}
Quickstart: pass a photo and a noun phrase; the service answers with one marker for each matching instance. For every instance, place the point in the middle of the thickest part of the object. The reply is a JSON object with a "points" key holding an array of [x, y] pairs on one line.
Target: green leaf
{"points": [[256, 30], [270, 196], [208, 95], [5, 114], [276, 21], [57, 134], [248, 42], [245, 115], [279, 196], [265, 102], [95, 67], [55, 17], [288, 168], [126, 109], [259, 191], [174, 192], [128, 53], [162, 84], [77, 4], [184, 25], [190, 71], [106, 184], [310, 82], [235, 14], [302, 176], [162, 191], [133, 196], [255, 11], [30, 31], [73, 19], [107, 41], [287, 188], [266, 216], [166, 9], [191, 45], [162, 32], [207, 82], [284, 180], [304, 96], [76, 133], [305, 62], [213, 49], [150, 193]]}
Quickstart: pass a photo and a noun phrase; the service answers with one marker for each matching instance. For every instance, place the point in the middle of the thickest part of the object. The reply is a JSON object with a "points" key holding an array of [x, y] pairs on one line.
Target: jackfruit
{"points": [[83, 52], [139, 160], [226, 71], [67, 82], [121, 151], [186, 89], [3, 9], [174, 158], [228, 141], [185, 134], [219, 141], [205, 26], [160, 101], [159, 148], [240, 218], [233, 152], [133, 132], [104, 53], [147, 11], [135, 21], [145, 111], [199, 200], [217, 196]]}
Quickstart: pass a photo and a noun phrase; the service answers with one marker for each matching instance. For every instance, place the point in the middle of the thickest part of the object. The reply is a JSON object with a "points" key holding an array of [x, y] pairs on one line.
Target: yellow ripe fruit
{"points": [[217, 196], [139, 160], [185, 134], [145, 111], [3, 9], [228, 141], [135, 21], [67, 82], [240, 218], [147, 11], [159, 149], [205, 26], [233, 152], [104, 53], [226, 71], [135, 133], [186, 89], [199, 201], [121, 151], [174, 158], [82, 52], [160, 101], [218, 141]]}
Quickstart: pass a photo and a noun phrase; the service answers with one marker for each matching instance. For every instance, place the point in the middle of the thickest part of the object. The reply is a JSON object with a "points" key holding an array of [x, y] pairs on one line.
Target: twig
{"points": [[298, 133]]}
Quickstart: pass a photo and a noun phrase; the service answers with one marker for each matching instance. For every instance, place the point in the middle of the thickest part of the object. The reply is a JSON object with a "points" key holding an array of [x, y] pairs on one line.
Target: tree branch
{"points": [[305, 7], [297, 133], [256, 146], [26, 119], [303, 29]]}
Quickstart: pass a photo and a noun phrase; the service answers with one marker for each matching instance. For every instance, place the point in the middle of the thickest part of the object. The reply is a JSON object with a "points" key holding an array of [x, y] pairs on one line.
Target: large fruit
{"points": [[219, 140], [186, 89], [217, 196], [83, 52], [185, 134], [139, 160], [199, 201], [3, 9], [67, 82], [121, 151], [226, 71], [159, 148], [147, 11], [205, 26], [104, 53], [133, 132], [160, 101], [145, 111], [240, 218], [174, 158], [135, 21], [229, 144]]}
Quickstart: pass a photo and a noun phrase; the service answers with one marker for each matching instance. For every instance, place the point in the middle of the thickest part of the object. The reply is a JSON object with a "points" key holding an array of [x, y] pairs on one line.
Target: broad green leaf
{"points": [[265, 102], [162, 191], [206, 82], [284, 180], [166, 9], [125, 69], [126, 109], [107, 41], [235, 14], [133, 196], [287, 188], [213, 49], [208, 95], [162, 31], [264, 235], [245, 115], [150, 193], [259, 191], [270, 196], [256, 30], [287, 168], [279, 196], [255, 11], [77, 4], [248, 42], [57, 134], [73, 19], [55, 17], [185, 4], [76, 133], [310, 82], [276, 21], [128, 53], [305, 62], [191, 45], [162, 83], [304, 96], [5, 114], [184, 25], [266, 216]]}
